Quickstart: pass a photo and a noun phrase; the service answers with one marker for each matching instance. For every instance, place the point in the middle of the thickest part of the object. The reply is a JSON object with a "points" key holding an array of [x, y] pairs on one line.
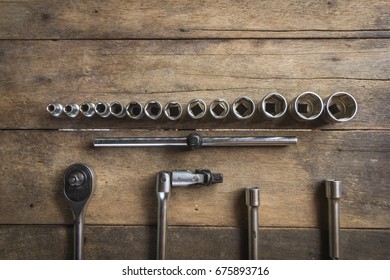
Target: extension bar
{"points": [[194, 141]]}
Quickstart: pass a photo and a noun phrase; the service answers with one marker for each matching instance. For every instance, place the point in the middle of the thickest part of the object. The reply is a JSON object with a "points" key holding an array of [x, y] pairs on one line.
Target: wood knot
{"points": [[45, 16]]}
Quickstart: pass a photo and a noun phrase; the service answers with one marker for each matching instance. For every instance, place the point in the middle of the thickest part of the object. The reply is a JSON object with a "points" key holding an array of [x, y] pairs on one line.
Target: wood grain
{"points": [[134, 242], [33, 74], [290, 178], [121, 19]]}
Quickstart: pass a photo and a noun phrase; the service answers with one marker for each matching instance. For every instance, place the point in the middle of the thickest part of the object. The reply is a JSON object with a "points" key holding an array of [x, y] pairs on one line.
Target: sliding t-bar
{"points": [[194, 141]]}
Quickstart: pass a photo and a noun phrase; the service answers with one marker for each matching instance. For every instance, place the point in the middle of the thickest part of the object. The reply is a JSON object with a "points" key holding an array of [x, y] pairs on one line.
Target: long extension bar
{"points": [[194, 141]]}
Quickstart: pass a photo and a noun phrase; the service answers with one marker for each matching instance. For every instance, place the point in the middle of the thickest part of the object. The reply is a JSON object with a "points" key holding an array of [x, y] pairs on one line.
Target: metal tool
{"points": [[196, 108], [339, 107], [102, 109], [79, 184], [177, 178], [72, 110], [135, 110], [173, 110], [117, 109], [273, 106], [55, 109], [153, 109], [252, 197], [219, 108], [307, 106], [243, 108], [333, 193], [194, 141], [88, 109]]}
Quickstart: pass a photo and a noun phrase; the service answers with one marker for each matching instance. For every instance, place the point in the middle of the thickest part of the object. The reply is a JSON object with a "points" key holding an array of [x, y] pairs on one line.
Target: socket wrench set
{"points": [[307, 106], [79, 179]]}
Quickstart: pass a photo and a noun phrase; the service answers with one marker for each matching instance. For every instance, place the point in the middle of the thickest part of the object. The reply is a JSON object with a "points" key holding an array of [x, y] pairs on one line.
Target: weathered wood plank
{"points": [[124, 242], [36, 19], [34, 74], [290, 179]]}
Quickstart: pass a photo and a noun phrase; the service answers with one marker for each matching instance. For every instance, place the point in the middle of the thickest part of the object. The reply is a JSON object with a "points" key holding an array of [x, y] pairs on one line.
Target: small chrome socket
{"points": [[153, 109], [243, 108], [72, 110], [117, 109], [219, 108], [307, 106], [196, 109], [88, 109], [273, 106], [55, 109], [135, 110], [173, 110], [102, 109], [339, 107]]}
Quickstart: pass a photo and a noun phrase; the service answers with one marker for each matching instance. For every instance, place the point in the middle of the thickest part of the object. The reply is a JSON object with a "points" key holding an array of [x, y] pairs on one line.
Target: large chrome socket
{"points": [[135, 110], [273, 106], [153, 109], [117, 109], [196, 109], [55, 109], [88, 109], [72, 110], [339, 107], [307, 106], [243, 108], [102, 109], [173, 110], [219, 108]]}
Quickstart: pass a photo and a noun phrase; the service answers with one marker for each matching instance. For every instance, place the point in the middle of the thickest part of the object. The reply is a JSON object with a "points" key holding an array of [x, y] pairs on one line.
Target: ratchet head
{"points": [[79, 183]]}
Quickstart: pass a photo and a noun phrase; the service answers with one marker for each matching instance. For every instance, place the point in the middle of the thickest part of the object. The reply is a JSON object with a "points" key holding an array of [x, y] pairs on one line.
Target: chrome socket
{"points": [[102, 109], [55, 109], [153, 109], [135, 110], [88, 109], [273, 106], [219, 108], [307, 106], [173, 110], [243, 107], [117, 109], [72, 110], [196, 109], [339, 107]]}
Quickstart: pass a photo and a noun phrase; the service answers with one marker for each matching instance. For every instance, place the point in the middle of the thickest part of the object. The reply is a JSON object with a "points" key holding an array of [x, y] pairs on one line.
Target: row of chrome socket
{"points": [[308, 106]]}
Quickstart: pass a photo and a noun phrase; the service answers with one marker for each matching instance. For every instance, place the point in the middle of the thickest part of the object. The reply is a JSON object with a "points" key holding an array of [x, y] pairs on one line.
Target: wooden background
{"points": [[76, 51]]}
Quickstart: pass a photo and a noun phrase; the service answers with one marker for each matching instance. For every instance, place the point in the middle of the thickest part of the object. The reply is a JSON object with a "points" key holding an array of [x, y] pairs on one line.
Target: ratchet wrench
{"points": [[79, 184]]}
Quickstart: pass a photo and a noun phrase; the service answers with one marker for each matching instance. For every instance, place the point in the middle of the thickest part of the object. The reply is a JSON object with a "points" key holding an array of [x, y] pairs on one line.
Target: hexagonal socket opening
{"points": [[88, 109], [55, 109], [71, 110], [341, 106], [307, 106], [173, 110], [102, 109], [243, 107], [219, 108], [153, 109], [196, 108], [134, 110], [117, 109], [273, 106]]}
